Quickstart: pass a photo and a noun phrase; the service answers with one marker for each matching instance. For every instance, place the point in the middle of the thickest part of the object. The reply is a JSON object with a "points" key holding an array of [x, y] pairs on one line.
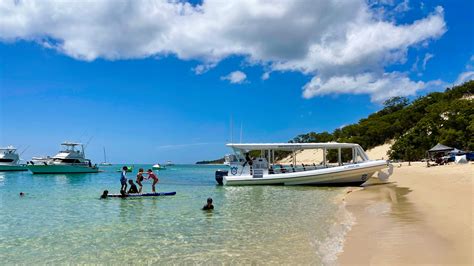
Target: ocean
{"points": [[61, 219]]}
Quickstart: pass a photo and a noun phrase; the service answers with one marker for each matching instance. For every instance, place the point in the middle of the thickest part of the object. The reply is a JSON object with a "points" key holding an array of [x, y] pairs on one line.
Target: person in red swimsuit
{"points": [[154, 177]]}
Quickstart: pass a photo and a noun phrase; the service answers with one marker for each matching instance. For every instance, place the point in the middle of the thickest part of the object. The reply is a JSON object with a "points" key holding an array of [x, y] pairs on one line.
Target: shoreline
{"points": [[423, 215]]}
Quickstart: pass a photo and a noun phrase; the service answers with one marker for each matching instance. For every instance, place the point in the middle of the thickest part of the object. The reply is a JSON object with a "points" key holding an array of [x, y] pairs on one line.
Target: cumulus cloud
{"points": [[325, 39], [236, 77], [380, 88]]}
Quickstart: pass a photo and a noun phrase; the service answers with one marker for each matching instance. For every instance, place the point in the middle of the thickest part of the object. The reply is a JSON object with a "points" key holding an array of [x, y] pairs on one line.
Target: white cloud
{"points": [[266, 75], [463, 77], [428, 56], [380, 88], [236, 77], [325, 39]]}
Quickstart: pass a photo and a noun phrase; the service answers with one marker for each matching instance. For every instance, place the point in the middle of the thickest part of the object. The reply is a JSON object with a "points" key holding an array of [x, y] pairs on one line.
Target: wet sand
{"points": [[423, 216]]}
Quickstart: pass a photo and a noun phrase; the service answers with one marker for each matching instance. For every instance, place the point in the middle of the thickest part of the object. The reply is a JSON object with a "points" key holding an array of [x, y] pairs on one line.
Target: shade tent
{"points": [[440, 148], [460, 159]]}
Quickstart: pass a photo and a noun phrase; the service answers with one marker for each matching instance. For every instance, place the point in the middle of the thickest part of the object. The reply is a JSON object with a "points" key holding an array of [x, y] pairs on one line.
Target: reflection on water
{"points": [[62, 219], [391, 199]]}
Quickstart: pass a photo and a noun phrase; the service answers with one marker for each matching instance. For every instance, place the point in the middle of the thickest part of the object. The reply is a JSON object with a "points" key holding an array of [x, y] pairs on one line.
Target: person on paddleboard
{"points": [[140, 180], [133, 188], [151, 175], [123, 178]]}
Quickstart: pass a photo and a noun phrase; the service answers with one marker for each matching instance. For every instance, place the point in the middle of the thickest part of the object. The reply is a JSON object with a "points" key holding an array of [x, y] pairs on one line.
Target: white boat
{"points": [[105, 163], [158, 167], [10, 160], [68, 160], [169, 163], [264, 171]]}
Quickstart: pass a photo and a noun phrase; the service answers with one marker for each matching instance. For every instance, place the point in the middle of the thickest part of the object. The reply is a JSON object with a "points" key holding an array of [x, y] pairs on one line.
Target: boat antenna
{"points": [[231, 130], [83, 134], [240, 132], [24, 150], [89, 141]]}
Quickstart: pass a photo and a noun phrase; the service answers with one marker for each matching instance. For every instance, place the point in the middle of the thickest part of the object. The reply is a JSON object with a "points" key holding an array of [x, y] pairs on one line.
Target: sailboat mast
{"points": [[105, 156]]}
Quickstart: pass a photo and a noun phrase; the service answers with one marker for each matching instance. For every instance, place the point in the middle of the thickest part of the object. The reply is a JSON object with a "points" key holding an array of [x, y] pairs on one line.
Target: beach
{"points": [[422, 216]]}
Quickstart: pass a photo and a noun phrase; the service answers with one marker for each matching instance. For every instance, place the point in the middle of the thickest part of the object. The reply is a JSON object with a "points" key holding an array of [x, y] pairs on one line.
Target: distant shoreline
{"points": [[212, 162]]}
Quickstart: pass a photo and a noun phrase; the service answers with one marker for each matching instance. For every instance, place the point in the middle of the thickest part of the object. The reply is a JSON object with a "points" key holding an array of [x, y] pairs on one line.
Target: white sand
{"points": [[380, 152], [423, 217]]}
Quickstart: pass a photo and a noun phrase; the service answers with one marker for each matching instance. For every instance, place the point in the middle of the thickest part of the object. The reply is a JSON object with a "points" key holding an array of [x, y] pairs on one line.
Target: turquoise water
{"points": [[61, 219]]}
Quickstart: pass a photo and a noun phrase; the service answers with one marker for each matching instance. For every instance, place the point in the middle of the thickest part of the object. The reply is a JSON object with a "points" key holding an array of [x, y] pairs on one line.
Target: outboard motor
{"points": [[220, 176]]}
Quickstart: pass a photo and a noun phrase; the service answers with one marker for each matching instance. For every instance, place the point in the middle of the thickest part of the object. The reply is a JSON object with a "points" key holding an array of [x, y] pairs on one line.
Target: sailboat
{"points": [[105, 159]]}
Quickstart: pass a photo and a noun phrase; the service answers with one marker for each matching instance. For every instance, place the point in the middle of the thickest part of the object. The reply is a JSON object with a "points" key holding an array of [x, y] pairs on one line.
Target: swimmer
{"points": [[209, 205]]}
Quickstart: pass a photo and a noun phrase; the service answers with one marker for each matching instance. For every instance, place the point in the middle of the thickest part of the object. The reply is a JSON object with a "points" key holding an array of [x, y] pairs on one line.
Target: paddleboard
{"points": [[157, 194]]}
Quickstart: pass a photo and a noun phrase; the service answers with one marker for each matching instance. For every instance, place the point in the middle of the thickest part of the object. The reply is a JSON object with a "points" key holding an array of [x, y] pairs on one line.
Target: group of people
{"points": [[139, 180]]}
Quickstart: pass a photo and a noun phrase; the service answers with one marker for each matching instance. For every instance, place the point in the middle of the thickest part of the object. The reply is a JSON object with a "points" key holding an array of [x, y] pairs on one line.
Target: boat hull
{"points": [[5, 168], [61, 169], [354, 174]]}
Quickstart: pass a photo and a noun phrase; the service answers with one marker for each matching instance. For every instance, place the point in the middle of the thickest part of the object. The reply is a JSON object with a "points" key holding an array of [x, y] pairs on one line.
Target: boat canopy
{"points": [[8, 148], [67, 143], [291, 146]]}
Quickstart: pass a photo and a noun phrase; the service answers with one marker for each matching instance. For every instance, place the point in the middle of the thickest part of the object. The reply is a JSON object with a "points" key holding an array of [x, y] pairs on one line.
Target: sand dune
{"points": [[316, 155]]}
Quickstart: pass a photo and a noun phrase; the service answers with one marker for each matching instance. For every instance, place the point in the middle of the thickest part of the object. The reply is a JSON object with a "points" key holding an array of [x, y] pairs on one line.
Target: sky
{"points": [[153, 81]]}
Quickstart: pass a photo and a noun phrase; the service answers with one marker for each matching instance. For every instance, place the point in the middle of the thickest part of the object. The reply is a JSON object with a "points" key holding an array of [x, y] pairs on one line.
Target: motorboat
{"points": [[158, 167], [10, 160], [341, 164], [70, 159], [169, 163], [105, 163]]}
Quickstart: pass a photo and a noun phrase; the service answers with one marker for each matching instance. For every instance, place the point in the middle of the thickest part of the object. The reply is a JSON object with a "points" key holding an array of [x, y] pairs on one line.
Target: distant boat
{"points": [[10, 160], [67, 161], [105, 160], [169, 163], [158, 167]]}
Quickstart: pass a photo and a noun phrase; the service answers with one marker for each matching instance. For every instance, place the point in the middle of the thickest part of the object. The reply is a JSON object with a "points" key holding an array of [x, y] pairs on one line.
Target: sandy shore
{"points": [[423, 216]]}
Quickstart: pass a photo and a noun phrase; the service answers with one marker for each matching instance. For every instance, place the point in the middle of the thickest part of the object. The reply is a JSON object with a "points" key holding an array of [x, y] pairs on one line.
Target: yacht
{"points": [[105, 163], [70, 159], [10, 160], [341, 164]]}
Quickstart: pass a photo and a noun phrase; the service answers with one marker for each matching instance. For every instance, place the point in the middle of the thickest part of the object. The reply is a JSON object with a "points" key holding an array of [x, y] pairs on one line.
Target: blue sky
{"points": [[148, 101]]}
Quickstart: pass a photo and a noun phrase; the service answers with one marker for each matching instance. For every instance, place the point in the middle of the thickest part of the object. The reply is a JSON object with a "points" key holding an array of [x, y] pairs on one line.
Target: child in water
{"points": [[140, 180], [133, 187], [209, 205], [123, 179], [155, 179]]}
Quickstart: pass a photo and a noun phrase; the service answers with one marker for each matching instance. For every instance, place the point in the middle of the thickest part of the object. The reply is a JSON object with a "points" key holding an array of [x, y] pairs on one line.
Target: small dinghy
{"points": [[157, 194]]}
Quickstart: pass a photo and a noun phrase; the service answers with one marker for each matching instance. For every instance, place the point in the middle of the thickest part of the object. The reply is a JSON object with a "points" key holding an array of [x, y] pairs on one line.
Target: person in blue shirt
{"points": [[123, 179]]}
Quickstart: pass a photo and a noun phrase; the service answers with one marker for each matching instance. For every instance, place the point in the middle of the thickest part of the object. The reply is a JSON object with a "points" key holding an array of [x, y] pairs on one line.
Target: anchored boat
{"points": [[10, 160], [105, 162], [341, 164], [158, 167], [69, 160]]}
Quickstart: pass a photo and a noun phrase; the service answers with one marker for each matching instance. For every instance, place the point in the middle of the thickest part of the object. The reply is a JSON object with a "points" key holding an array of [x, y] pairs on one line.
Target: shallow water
{"points": [[61, 219]]}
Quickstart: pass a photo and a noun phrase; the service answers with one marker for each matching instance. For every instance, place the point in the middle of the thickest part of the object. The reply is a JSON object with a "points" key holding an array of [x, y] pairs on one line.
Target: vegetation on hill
{"points": [[439, 117], [218, 161]]}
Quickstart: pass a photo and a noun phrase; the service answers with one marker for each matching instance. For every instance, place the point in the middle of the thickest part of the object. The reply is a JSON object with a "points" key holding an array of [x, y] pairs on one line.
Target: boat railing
{"points": [[290, 168]]}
